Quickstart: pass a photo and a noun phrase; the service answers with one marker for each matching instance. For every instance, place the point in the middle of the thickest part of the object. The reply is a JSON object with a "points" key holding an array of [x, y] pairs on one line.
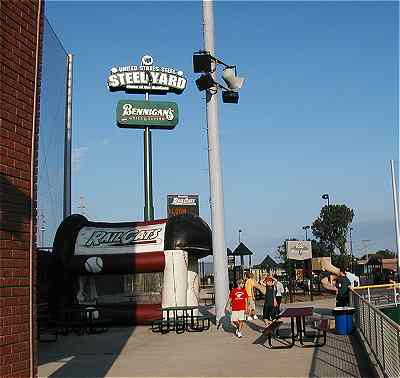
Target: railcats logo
{"points": [[183, 201], [146, 238], [154, 114], [146, 78], [179, 204]]}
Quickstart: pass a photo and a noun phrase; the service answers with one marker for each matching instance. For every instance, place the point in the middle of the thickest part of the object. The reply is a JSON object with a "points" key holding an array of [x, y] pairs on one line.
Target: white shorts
{"points": [[238, 315]]}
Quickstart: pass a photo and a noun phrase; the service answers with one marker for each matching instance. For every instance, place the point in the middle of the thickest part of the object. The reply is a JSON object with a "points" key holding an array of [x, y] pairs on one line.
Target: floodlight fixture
{"points": [[230, 97], [232, 81], [205, 82], [202, 62]]}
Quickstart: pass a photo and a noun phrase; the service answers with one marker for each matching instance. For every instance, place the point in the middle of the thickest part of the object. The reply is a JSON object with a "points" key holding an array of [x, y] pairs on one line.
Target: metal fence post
{"points": [[383, 346], [369, 323]]}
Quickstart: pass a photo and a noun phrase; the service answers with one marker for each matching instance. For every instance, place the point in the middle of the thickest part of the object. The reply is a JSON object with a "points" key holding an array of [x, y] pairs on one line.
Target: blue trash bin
{"points": [[343, 320]]}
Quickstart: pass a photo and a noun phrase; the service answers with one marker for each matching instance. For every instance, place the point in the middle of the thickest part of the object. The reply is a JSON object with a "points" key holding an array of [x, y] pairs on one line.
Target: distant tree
{"points": [[385, 254], [330, 228], [319, 249]]}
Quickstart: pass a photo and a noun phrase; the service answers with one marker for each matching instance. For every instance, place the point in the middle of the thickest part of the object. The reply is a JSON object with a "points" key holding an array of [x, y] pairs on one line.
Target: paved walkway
{"points": [[137, 352]]}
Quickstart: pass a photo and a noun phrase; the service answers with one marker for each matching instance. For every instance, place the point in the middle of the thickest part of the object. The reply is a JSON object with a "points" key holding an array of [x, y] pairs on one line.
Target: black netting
{"points": [[51, 137]]}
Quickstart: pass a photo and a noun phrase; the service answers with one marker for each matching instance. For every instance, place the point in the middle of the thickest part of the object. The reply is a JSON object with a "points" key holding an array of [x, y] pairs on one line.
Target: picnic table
{"points": [[81, 319], [181, 319], [297, 315]]}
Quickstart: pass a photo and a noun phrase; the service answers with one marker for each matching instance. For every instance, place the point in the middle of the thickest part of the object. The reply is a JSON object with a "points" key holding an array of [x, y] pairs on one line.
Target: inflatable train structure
{"points": [[86, 251]]}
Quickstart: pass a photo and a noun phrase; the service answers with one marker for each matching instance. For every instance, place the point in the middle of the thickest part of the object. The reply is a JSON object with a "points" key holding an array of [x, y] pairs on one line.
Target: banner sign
{"points": [[146, 78], [299, 250], [137, 239], [153, 114], [178, 204]]}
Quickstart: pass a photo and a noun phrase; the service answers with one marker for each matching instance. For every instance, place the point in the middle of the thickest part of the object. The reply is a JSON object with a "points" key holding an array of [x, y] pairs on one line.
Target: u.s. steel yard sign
{"points": [[154, 114], [146, 78]]}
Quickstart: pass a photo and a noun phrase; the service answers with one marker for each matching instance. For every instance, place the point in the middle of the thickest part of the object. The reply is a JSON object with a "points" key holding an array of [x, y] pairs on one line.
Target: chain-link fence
{"points": [[50, 190], [380, 333]]}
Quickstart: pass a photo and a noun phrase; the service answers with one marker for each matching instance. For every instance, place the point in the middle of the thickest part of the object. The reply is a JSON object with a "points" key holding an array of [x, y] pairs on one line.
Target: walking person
{"points": [[249, 286], [270, 304], [239, 305], [280, 289]]}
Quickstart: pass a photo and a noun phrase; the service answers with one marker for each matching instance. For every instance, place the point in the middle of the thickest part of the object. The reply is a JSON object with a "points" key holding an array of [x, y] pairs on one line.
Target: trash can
{"points": [[343, 320]]}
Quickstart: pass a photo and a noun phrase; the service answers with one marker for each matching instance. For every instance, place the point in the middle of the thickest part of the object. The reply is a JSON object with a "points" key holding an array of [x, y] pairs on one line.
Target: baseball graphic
{"points": [[94, 264]]}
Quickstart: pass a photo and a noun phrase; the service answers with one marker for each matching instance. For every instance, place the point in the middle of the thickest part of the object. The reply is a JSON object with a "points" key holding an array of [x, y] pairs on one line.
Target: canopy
{"points": [[267, 263], [242, 250]]}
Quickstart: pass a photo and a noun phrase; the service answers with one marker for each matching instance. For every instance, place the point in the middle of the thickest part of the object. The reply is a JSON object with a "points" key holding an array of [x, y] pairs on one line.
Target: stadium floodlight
{"points": [[205, 82], [202, 62], [230, 97], [232, 81], [205, 63]]}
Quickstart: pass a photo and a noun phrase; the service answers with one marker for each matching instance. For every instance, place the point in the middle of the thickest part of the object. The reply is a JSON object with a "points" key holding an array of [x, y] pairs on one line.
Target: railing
{"points": [[380, 295], [380, 333]]}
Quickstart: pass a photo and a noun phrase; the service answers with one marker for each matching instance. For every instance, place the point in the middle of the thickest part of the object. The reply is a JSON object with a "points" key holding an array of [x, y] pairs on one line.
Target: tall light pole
{"points": [[351, 249], [221, 277], [306, 228], [326, 197]]}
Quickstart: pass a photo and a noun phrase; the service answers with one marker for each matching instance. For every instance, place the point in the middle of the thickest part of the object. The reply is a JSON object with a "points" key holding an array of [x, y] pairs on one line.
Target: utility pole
{"points": [[82, 207], [221, 278], [351, 250], [396, 212], [365, 247], [68, 142], [42, 230]]}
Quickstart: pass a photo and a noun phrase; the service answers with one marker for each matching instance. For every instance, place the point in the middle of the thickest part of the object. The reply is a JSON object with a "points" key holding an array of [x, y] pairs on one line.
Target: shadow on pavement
{"points": [[342, 356], [82, 356]]}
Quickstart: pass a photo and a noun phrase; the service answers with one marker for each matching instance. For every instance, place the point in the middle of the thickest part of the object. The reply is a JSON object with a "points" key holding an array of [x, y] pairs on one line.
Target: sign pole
{"points": [[148, 181]]}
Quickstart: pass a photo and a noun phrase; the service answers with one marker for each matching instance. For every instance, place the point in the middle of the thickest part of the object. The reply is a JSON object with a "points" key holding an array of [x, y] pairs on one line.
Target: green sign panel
{"points": [[141, 114]]}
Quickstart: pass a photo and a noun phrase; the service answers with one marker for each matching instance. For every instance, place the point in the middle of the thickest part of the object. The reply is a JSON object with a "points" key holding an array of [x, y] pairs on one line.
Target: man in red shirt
{"points": [[238, 300]]}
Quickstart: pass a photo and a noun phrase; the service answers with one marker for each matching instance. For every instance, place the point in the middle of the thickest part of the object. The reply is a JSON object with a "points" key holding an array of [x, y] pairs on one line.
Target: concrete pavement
{"points": [[137, 352]]}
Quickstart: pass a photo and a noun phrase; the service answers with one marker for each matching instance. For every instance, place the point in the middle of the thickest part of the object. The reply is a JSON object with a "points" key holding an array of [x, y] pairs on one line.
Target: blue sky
{"points": [[318, 113]]}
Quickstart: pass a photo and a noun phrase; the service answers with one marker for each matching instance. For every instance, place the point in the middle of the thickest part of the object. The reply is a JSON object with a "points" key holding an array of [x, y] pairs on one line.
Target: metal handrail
{"points": [[380, 333], [394, 285], [391, 286]]}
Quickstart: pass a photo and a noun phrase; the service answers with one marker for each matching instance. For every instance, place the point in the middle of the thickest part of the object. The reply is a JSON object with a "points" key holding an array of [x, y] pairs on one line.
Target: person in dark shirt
{"points": [[270, 304], [342, 285]]}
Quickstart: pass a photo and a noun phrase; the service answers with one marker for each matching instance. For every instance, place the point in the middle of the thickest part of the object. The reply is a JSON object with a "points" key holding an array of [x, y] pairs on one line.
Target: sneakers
{"points": [[238, 333]]}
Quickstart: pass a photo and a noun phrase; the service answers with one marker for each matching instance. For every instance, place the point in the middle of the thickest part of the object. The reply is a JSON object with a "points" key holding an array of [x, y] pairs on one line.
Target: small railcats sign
{"points": [[141, 114]]}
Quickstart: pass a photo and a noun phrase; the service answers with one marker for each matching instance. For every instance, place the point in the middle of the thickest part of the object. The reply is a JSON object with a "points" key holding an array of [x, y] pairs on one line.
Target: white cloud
{"points": [[78, 155]]}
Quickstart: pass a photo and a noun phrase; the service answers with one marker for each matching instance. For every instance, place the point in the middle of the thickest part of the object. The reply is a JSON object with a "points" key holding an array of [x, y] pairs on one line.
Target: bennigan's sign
{"points": [[153, 114], [146, 78]]}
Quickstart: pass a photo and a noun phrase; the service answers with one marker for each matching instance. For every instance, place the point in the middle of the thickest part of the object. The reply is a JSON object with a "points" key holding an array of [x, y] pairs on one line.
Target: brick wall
{"points": [[18, 78]]}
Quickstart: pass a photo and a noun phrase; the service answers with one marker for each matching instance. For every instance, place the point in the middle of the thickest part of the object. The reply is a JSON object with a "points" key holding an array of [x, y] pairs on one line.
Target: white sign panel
{"points": [[299, 250], [146, 78], [137, 239]]}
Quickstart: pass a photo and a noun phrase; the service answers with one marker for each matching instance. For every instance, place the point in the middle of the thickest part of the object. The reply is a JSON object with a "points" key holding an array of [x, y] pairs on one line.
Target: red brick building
{"points": [[20, 40]]}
